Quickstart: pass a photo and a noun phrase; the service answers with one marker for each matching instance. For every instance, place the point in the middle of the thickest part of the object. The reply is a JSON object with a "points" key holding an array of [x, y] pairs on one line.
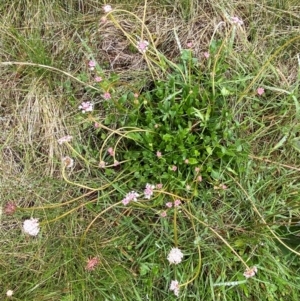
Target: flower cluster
{"points": [[176, 204], [131, 196], [250, 272], [31, 226], [10, 208], [92, 65], [260, 91], [86, 106], [174, 286], [107, 8], [236, 20], [68, 162], [64, 139], [142, 46], [148, 192], [175, 256], [92, 263]]}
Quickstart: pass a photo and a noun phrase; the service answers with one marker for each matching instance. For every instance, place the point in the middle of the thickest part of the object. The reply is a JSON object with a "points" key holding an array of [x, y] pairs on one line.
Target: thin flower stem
{"points": [[48, 68], [68, 212], [273, 162], [199, 262], [78, 207], [175, 228], [265, 65], [262, 219], [56, 205], [97, 216], [218, 235]]}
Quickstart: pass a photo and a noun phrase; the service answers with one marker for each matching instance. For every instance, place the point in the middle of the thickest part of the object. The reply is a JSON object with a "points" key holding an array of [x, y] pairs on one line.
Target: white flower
{"points": [[86, 106], [107, 8], [250, 272], [174, 286], [175, 256], [131, 196], [102, 164], [69, 162], [148, 191], [64, 139], [9, 293], [31, 226]]}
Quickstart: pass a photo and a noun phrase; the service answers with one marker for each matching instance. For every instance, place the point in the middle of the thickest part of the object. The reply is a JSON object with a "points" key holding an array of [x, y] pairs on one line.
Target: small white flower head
{"points": [[142, 46], [148, 192], [250, 272], [107, 8], [175, 256], [69, 162], [131, 196], [236, 20], [64, 139], [86, 106], [102, 164], [31, 226], [174, 286], [9, 293]]}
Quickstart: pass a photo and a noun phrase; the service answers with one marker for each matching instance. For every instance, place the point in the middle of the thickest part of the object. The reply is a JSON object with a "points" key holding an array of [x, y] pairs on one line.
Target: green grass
{"points": [[45, 48]]}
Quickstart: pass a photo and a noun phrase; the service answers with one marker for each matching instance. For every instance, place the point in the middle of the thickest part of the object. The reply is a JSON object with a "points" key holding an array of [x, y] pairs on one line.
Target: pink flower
{"points": [[158, 154], [142, 46], [111, 151], [236, 20], [199, 178], [175, 256], [197, 169], [174, 286], [86, 106], [10, 208], [189, 44], [98, 79], [92, 263], [169, 204], [177, 203], [159, 186], [136, 95], [260, 91], [206, 55], [107, 8], [103, 20], [148, 192], [131, 196], [250, 272], [186, 161], [116, 163], [223, 187], [92, 65], [64, 139], [96, 125], [174, 168], [106, 96], [163, 214]]}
